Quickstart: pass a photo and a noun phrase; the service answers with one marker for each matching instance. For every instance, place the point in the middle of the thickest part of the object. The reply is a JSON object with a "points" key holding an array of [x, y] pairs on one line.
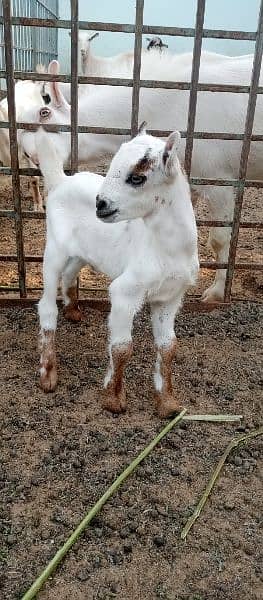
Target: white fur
{"points": [[148, 247], [163, 109]]}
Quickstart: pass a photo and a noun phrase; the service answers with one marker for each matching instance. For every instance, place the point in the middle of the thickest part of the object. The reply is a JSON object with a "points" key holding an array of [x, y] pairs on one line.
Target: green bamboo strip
{"points": [[214, 418], [233, 444], [50, 568]]}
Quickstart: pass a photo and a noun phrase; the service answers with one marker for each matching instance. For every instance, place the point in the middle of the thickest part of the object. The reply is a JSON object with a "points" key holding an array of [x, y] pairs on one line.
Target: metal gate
{"points": [[198, 33]]}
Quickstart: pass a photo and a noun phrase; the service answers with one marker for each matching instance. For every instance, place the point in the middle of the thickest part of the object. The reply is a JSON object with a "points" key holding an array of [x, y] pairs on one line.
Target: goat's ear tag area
{"points": [[93, 36], [142, 128], [44, 113]]}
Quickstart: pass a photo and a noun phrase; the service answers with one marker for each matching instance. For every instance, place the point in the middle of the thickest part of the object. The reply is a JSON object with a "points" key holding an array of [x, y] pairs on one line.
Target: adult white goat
{"points": [[222, 112], [144, 238], [28, 95]]}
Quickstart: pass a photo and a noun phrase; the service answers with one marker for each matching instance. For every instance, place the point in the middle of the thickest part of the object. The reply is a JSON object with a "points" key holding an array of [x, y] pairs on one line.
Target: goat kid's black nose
{"points": [[100, 204]]}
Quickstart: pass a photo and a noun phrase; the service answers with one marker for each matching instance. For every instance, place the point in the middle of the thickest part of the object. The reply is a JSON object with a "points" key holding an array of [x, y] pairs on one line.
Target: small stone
{"points": [[175, 472], [159, 541], [127, 548], [237, 461], [83, 575], [11, 539], [229, 505], [124, 533]]}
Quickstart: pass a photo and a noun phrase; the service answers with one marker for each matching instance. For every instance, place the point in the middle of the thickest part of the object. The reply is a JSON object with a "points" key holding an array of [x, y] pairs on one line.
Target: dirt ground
{"points": [[247, 284], [61, 451]]}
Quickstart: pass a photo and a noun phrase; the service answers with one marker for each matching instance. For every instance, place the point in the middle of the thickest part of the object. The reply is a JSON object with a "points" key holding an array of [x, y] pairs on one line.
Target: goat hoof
{"points": [[166, 405], [48, 378], [115, 404], [73, 313]]}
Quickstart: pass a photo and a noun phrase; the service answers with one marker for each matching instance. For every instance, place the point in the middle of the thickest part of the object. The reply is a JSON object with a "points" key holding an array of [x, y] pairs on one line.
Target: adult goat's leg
{"points": [[163, 314], [72, 310], [221, 204], [124, 304], [47, 311]]}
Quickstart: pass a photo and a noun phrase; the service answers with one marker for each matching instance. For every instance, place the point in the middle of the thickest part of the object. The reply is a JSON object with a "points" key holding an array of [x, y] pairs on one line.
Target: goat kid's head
{"points": [[139, 178], [57, 112]]}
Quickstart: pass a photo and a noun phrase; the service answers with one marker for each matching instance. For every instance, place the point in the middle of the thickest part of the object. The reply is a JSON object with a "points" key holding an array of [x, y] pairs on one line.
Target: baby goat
{"points": [[137, 226]]}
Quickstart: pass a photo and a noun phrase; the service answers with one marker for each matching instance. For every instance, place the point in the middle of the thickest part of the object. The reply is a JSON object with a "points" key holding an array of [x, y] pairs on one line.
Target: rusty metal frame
{"points": [[138, 28]]}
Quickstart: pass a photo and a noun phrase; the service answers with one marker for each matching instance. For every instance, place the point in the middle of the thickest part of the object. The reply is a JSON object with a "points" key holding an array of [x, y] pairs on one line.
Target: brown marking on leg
{"points": [[165, 400], [48, 362], [72, 311], [114, 393]]}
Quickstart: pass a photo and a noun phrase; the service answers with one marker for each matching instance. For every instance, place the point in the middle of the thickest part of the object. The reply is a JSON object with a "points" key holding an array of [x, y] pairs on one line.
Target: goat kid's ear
{"points": [[169, 156], [57, 98], [142, 128]]}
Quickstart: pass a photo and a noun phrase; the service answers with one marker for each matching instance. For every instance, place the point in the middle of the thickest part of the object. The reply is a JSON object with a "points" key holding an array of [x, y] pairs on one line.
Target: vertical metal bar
{"points": [[74, 85], [199, 24], [137, 67], [252, 100], [13, 146]]}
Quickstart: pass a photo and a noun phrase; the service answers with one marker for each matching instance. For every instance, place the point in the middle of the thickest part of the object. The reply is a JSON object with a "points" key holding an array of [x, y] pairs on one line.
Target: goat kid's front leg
{"points": [[47, 311], [124, 305], [163, 330]]}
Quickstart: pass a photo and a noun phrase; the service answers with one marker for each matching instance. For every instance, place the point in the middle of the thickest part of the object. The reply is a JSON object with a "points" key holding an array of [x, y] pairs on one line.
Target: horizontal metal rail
{"points": [[198, 135], [130, 28], [203, 264], [144, 83], [29, 214]]}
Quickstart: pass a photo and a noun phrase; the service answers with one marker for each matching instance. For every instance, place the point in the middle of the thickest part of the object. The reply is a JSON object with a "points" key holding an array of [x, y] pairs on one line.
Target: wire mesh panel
{"points": [[45, 27], [31, 45]]}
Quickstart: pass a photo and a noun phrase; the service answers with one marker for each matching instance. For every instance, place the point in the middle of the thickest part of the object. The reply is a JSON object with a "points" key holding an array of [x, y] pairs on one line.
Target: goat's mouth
{"points": [[107, 215]]}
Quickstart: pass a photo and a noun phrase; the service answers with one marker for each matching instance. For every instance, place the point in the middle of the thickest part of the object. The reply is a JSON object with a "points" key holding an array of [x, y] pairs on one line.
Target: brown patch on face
{"points": [[72, 311], [143, 165], [114, 393], [165, 400], [48, 362]]}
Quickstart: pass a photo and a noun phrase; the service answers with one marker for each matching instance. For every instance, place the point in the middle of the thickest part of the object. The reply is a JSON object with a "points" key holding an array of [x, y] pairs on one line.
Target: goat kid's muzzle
{"points": [[105, 210]]}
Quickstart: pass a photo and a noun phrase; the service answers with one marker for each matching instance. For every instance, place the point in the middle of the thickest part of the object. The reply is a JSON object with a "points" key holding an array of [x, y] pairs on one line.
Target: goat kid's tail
{"points": [[50, 162]]}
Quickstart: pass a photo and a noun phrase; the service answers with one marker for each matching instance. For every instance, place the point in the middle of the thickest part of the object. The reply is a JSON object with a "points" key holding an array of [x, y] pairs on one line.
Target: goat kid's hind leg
{"points": [[72, 310], [124, 305], [163, 315], [47, 311]]}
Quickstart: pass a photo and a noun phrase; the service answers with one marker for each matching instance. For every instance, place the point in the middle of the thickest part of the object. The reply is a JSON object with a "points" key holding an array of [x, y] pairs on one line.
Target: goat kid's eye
{"points": [[136, 180]]}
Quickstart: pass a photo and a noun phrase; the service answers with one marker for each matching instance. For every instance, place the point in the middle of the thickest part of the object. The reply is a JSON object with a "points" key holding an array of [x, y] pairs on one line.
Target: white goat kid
{"points": [[151, 256], [162, 108]]}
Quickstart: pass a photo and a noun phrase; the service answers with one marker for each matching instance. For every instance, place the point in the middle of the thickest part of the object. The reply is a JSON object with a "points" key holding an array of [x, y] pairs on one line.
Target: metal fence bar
{"points": [[74, 86], [13, 147], [130, 28], [29, 214], [251, 108], [145, 83], [242, 266], [200, 15], [137, 67]]}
